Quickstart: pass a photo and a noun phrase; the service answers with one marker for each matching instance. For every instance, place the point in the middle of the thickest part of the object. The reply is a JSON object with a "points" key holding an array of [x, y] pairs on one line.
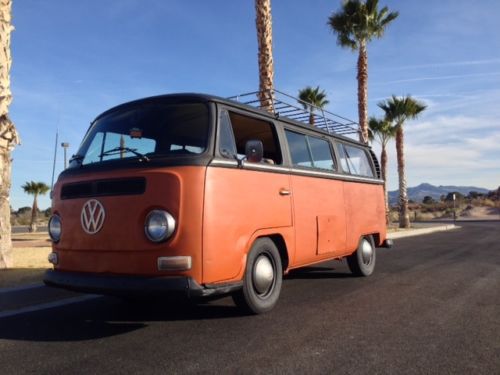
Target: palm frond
{"points": [[360, 21], [313, 96], [398, 110], [35, 188]]}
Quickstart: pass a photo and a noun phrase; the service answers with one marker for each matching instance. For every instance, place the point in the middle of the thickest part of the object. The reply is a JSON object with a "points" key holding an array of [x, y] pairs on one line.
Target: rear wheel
{"points": [[262, 280], [362, 261]]}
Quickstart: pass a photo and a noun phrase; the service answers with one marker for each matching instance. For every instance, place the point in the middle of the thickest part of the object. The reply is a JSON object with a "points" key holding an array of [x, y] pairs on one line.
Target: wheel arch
{"points": [[280, 243], [376, 238]]}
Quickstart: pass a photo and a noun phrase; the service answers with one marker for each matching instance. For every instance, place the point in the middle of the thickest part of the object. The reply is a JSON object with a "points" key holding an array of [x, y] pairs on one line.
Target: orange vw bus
{"points": [[202, 196]]}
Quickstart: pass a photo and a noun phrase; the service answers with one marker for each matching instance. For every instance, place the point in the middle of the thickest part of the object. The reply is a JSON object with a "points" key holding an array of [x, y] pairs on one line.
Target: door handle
{"points": [[285, 192]]}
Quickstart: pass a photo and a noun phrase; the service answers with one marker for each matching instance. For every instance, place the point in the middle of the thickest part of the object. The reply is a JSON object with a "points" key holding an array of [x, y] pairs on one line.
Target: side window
{"points": [[299, 151], [321, 153], [227, 145], [309, 152], [354, 160], [237, 129], [343, 158]]}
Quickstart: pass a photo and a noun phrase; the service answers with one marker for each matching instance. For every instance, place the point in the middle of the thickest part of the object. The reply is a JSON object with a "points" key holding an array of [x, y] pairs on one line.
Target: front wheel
{"points": [[362, 261], [262, 280]]}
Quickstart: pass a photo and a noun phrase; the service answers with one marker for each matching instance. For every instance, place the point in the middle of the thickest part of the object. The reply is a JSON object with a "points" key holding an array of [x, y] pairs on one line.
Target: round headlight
{"points": [[159, 225], [55, 228]]}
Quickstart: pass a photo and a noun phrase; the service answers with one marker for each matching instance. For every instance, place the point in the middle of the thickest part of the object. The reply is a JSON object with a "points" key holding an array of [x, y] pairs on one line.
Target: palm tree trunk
{"points": [[5, 229], [265, 54], [383, 170], [363, 91], [34, 212], [404, 217], [8, 134], [311, 118]]}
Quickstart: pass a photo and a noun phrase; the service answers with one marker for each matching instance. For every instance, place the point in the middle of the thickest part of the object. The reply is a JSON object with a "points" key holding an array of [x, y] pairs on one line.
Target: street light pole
{"points": [[454, 209], [65, 146]]}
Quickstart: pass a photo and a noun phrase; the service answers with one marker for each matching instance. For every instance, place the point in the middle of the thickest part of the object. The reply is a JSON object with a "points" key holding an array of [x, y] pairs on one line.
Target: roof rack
{"points": [[284, 105]]}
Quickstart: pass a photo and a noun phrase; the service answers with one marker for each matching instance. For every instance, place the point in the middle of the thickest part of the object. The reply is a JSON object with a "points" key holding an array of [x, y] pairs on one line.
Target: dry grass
{"points": [[30, 236], [29, 256]]}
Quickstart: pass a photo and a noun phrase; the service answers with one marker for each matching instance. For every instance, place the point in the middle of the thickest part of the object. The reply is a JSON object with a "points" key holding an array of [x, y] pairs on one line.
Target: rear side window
{"points": [[309, 152], [354, 160]]}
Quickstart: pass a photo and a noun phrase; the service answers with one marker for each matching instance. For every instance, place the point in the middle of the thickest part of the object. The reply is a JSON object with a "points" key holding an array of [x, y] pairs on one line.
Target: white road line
{"points": [[48, 305], [20, 288]]}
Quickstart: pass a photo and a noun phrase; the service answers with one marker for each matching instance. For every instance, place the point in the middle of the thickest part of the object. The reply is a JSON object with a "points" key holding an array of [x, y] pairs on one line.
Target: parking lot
{"points": [[432, 306]]}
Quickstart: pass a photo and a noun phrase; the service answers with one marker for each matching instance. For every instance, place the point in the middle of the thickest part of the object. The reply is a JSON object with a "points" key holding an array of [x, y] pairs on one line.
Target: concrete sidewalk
{"points": [[420, 229]]}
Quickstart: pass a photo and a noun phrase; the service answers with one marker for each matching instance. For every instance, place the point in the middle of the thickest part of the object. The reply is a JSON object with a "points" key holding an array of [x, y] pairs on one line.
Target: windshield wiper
{"points": [[118, 150]]}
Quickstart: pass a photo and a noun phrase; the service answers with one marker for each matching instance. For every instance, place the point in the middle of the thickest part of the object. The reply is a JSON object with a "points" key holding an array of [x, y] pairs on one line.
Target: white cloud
{"points": [[437, 78], [459, 150], [448, 64]]}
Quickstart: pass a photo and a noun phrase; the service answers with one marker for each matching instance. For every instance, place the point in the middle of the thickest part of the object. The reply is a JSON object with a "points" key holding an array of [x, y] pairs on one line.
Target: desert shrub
{"points": [[428, 200], [393, 216], [488, 203], [23, 210], [423, 216], [23, 217]]}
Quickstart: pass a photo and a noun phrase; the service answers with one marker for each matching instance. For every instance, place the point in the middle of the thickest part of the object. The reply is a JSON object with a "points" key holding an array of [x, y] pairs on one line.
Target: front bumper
{"points": [[121, 285]]}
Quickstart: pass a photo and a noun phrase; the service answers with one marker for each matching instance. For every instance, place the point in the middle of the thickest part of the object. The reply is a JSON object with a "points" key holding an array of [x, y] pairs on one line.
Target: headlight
{"points": [[55, 228], [159, 225]]}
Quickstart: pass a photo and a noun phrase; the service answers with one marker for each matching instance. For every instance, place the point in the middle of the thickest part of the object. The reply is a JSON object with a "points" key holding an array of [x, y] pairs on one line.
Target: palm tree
{"points": [[356, 24], [312, 99], [35, 189], [8, 134], [263, 22], [383, 132], [397, 111]]}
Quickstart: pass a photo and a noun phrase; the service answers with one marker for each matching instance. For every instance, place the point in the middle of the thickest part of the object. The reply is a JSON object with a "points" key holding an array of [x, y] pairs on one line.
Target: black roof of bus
{"points": [[178, 98]]}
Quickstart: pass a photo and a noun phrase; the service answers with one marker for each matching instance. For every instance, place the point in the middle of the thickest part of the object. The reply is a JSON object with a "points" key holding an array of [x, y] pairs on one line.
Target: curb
{"points": [[421, 231]]}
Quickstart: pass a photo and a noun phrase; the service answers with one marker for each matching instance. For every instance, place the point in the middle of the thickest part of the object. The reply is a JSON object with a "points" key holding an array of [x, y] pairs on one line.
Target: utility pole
{"points": [[454, 211]]}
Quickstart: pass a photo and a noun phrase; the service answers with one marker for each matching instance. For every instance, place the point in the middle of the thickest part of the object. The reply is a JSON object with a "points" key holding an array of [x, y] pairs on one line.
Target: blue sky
{"points": [[74, 59]]}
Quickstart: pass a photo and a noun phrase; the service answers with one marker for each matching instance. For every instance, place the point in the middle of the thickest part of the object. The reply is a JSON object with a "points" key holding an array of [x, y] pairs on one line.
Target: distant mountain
{"points": [[418, 193]]}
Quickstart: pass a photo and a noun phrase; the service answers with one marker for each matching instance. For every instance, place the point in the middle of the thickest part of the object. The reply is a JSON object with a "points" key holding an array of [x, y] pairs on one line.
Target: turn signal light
{"points": [[177, 263]]}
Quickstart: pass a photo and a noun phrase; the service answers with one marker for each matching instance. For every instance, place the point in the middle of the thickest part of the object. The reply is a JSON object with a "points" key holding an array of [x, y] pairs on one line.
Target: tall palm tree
{"points": [[35, 189], [263, 22], [382, 131], [397, 111], [356, 24], [312, 99], [8, 134]]}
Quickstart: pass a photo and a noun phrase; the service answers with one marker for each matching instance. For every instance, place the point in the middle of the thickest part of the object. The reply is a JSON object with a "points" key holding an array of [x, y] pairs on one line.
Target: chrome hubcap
{"points": [[366, 252], [263, 274]]}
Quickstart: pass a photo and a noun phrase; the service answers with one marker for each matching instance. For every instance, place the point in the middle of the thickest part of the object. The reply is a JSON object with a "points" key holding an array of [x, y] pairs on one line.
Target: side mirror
{"points": [[254, 151]]}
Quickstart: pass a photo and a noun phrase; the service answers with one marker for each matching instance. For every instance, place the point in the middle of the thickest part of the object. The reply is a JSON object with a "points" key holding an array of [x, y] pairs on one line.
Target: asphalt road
{"points": [[24, 229], [433, 306]]}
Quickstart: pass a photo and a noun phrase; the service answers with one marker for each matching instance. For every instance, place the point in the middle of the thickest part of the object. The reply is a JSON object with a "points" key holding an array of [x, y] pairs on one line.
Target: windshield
{"points": [[146, 131]]}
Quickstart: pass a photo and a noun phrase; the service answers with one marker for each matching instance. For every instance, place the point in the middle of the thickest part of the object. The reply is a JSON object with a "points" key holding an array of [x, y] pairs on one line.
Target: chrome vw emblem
{"points": [[92, 216]]}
